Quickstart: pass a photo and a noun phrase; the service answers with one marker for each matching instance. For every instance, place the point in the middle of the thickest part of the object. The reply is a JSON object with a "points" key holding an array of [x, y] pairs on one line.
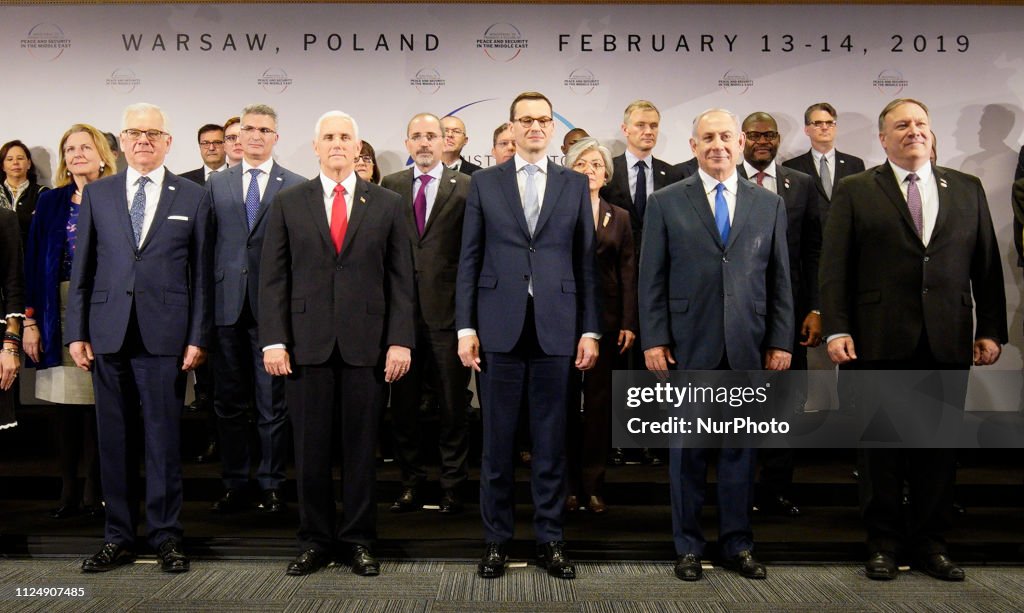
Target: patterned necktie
{"points": [[252, 197], [138, 209], [722, 213], [339, 218], [760, 178], [640, 196], [531, 202], [914, 203], [826, 178], [419, 205]]}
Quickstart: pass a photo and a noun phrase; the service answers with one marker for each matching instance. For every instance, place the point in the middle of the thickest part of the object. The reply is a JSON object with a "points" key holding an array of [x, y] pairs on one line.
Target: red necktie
{"points": [[339, 218], [760, 178]]}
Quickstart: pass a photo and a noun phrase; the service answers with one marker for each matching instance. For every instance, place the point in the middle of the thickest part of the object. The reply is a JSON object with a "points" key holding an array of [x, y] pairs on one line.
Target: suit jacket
{"points": [[687, 168], [25, 207], [846, 165], [313, 299], [12, 280], [803, 235], [435, 255], [237, 249], [197, 176], [166, 280], [1019, 173], [499, 257], [880, 284], [467, 167], [686, 273], [616, 269], [617, 191], [1018, 219]]}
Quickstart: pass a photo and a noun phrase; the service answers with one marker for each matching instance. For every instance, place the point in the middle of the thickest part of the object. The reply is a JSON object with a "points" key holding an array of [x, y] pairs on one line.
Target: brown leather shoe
{"points": [[596, 505], [572, 503]]}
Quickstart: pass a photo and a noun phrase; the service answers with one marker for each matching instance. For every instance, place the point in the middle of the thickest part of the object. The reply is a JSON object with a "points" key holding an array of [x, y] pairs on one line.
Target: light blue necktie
{"points": [[138, 209], [722, 213], [531, 203], [252, 197]]}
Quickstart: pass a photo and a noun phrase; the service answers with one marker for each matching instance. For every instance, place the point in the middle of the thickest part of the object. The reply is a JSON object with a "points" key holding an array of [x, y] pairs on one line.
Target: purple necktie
{"points": [[914, 203], [419, 205]]}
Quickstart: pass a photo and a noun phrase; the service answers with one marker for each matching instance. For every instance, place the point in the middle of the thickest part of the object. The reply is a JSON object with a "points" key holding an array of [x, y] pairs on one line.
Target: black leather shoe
{"points": [[172, 558], [688, 567], [881, 567], [450, 503], [551, 556], [492, 564], [779, 505], [308, 562], [110, 557], [407, 502], [65, 511], [209, 455], [272, 502], [202, 402], [940, 566], [232, 501], [618, 457], [572, 503], [746, 565], [363, 562]]}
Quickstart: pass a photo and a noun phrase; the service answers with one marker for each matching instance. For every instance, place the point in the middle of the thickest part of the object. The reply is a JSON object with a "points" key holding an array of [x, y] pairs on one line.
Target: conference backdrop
{"points": [[384, 63]]}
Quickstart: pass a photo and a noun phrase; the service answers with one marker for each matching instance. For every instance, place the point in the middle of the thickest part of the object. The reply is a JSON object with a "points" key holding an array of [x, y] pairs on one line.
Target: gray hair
{"points": [[260, 109], [584, 145], [735, 119], [338, 115], [144, 107]]}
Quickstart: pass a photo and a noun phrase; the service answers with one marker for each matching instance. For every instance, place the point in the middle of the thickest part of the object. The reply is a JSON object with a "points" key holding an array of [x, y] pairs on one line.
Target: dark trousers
{"points": [[777, 464], [544, 380], [130, 385], [436, 358], [590, 431], [243, 382], [688, 471], [335, 403], [76, 438]]}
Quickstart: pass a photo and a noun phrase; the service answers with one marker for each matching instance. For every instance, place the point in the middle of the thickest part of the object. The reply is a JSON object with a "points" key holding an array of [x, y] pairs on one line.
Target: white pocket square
{"points": [[178, 218]]}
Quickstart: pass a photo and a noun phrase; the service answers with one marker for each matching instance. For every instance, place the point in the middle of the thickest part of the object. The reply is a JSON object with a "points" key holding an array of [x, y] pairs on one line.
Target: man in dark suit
{"points": [[641, 122], [240, 198], [211, 147], [905, 247], [710, 236], [336, 299], [526, 290], [138, 316], [803, 233], [503, 144], [820, 127], [455, 139], [434, 198]]}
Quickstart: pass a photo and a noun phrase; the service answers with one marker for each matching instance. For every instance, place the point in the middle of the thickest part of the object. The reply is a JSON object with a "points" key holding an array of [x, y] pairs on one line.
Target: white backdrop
{"points": [[384, 63]]}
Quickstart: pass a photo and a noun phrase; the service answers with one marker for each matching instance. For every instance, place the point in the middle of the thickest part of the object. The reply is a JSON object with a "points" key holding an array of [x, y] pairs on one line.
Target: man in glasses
{"points": [[211, 148], [240, 197], [138, 318], [803, 235], [526, 290], [826, 165], [503, 145], [455, 139]]}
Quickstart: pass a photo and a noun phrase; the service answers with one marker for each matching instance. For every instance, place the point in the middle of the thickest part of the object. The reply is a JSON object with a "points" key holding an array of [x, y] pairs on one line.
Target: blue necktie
{"points": [[722, 213], [640, 196], [531, 202], [138, 209], [252, 197]]}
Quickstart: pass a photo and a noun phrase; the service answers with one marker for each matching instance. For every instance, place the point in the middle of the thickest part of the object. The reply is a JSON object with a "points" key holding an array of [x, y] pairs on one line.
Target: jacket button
{"points": [[924, 291], [245, 271], [526, 277], [138, 258], [129, 292], [532, 249], [339, 267], [926, 258]]}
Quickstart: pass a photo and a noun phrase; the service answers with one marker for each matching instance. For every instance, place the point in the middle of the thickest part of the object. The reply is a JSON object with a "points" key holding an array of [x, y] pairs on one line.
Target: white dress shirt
{"points": [[153, 189], [926, 186], [431, 193], [540, 179], [349, 183], [769, 182], [262, 179], [631, 161], [710, 188], [209, 171]]}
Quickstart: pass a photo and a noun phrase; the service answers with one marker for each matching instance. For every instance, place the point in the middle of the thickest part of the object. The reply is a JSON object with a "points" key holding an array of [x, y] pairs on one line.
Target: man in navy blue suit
{"points": [[139, 317], [715, 294], [526, 297], [240, 197]]}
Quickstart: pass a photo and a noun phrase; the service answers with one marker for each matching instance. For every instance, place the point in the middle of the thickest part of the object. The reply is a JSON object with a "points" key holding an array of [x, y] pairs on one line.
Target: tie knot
{"points": [[640, 165], [142, 181], [425, 179], [339, 190], [720, 188], [531, 169], [254, 172], [912, 177]]}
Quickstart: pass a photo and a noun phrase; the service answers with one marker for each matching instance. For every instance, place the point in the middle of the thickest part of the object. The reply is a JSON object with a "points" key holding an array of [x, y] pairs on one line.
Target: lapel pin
{"points": [[170, 187], [661, 172], [786, 183], [607, 218], [362, 199], [942, 182], [279, 178], [451, 180]]}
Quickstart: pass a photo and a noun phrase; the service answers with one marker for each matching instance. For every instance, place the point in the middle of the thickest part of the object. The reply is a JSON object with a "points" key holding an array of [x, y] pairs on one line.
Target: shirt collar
{"points": [[542, 164], [751, 171], [209, 171], [349, 183], [831, 155], [710, 183], [264, 167], [631, 160], [924, 173], [156, 175], [434, 172]]}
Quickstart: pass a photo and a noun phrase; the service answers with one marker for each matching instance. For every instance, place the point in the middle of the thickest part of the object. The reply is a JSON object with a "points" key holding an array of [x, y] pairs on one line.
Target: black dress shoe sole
{"points": [[175, 568], [880, 574], [368, 571], [119, 562]]}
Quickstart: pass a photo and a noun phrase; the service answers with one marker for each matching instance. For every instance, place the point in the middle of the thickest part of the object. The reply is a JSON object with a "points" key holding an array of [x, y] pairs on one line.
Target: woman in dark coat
{"points": [[12, 305], [19, 183]]}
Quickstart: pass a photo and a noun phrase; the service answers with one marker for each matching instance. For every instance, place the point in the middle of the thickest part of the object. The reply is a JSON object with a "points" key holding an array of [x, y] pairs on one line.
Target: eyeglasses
{"points": [[756, 136], [527, 122], [231, 138], [263, 131], [365, 159], [211, 143], [153, 135], [583, 165], [454, 132], [429, 137], [823, 125], [501, 144]]}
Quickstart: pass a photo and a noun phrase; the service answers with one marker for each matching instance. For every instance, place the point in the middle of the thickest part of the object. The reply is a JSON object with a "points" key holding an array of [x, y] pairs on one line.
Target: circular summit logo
{"points": [[274, 80], [502, 42], [123, 81], [582, 81], [427, 81], [890, 82], [46, 41], [735, 82]]}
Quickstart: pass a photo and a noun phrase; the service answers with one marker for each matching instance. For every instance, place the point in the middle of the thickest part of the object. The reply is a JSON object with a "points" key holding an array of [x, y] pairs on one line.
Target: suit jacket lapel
{"points": [[744, 203], [359, 206], [235, 186], [317, 212], [274, 182], [122, 204], [444, 192], [886, 180], [945, 200], [782, 181], [660, 170], [604, 212], [163, 205], [552, 190], [510, 187], [699, 201]]}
